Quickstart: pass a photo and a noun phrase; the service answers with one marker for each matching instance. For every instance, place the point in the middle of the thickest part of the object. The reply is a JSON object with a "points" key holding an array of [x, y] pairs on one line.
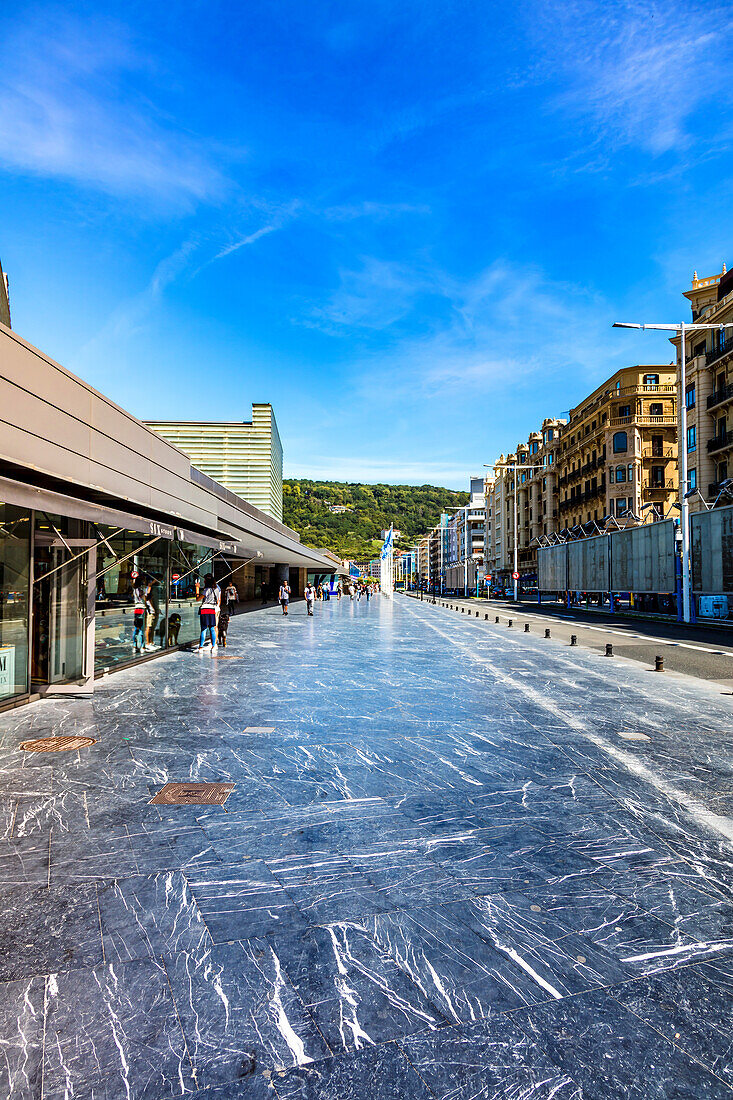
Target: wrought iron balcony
{"points": [[650, 487], [717, 398], [719, 442], [719, 351]]}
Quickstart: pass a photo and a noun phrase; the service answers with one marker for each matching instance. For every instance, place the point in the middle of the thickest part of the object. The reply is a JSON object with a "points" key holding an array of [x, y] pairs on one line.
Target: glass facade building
{"points": [[67, 599]]}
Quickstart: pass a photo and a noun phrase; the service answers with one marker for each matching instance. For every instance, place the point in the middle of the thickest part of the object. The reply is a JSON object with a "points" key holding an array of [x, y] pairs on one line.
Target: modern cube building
{"points": [[246, 457]]}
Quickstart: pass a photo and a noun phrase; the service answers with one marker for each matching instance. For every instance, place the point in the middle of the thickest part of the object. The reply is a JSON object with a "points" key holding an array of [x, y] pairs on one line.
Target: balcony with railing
{"points": [[721, 395], [641, 389], [718, 352], [650, 487], [642, 420], [720, 441], [659, 453]]}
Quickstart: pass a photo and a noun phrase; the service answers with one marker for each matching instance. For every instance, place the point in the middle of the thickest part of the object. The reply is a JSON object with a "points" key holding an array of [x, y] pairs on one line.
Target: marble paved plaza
{"points": [[443, 872]]}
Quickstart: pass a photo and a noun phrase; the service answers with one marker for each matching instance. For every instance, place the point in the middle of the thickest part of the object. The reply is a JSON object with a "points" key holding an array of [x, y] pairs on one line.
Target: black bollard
{"points": [[547, 632], [659, 662], [609, 649], [526, 628], [477, 614], [496, 620], [486, 618], [510, 622], [573, 639]]}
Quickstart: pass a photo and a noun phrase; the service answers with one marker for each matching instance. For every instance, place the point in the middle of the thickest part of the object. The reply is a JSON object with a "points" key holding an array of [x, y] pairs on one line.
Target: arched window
{"points": [[620, 443]]}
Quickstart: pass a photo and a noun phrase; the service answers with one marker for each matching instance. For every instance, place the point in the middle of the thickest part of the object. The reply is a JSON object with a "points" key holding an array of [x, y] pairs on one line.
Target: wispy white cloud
{"points": [[373, 295], [441, 335], [131, 315], [375, 211], [636, 71], [68, 111]]}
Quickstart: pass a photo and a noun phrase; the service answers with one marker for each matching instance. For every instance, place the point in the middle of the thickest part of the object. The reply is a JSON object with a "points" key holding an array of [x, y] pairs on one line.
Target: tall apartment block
{"points": [[618, 452], [246, 458], [536, 482], [709, 386]]}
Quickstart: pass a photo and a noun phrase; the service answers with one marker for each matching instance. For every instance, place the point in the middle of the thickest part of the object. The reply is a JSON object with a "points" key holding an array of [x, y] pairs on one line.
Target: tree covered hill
{"points": [[347, 517]]}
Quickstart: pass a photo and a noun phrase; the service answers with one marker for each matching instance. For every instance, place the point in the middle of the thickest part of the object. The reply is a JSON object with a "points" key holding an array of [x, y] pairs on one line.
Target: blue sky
{"points": [[408, 225]]}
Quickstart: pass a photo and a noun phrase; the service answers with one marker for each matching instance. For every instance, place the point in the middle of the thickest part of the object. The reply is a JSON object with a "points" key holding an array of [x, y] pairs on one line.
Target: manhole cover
{"points": [[57, 744], [193, 794], [259, 729], [635, 737]]}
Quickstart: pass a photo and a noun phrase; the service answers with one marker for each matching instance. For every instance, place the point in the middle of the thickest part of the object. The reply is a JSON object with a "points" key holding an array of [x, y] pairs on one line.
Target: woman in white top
{"points": [[207, 612]]}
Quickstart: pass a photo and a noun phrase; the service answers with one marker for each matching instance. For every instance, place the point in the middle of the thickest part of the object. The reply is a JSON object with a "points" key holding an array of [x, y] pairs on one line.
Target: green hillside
{"points": [[354, 533]]}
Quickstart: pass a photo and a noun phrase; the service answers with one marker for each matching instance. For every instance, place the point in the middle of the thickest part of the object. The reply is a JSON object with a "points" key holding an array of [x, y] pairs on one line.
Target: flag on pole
{"points": [[388, 543]]}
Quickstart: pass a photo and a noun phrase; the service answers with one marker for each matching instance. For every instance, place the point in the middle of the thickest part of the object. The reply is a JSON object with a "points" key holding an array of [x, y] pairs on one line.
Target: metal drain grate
{"points": [[57, 744], [193, 794], [259, 729], [635, 737]]}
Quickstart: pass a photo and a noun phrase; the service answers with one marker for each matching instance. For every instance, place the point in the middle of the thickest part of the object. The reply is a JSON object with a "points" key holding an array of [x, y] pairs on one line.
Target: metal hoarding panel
{"points": [[712, 551], [552, 568], [643, 558], [588, 565]]}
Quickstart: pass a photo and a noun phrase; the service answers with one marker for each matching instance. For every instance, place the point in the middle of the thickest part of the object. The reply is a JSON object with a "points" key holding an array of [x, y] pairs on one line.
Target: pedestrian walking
{"points": [[231, 597], [351, 591], [207, 614], [152, 600], [284, 596], [140, 608], [368, 592], [327, 589], [264, 592], [310, 595], [339, 590]]}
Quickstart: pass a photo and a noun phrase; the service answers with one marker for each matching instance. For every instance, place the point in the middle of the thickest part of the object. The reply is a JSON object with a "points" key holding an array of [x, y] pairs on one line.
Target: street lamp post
{"points": [[681, 328], [514, 467]]}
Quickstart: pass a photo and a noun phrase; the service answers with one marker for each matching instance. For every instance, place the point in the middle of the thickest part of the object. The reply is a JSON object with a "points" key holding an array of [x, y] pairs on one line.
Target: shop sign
{"points": [[160, 530], [7, 670]]}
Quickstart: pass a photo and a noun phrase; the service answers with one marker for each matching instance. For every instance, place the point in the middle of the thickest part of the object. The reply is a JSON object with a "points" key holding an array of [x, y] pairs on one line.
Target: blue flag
{"points": [[387, 546]]}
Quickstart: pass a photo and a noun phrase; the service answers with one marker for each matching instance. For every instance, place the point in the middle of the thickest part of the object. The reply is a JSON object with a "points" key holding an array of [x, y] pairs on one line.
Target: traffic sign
{"points": [[515, 576], [175, 577]]}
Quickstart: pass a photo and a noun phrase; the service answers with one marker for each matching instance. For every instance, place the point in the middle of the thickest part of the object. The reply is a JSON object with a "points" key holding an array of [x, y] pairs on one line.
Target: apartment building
{"points": [[465, 540], [245, 457], [532, 472], [423, 561], [709, 387], [618, 452]]}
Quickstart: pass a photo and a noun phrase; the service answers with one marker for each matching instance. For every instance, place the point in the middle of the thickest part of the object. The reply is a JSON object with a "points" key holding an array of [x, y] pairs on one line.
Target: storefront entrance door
{"points": [[63, 615]]}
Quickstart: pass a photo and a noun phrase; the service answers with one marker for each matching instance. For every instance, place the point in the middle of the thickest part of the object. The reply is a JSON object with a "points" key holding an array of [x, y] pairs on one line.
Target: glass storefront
{"points": [[189, 565], [122, 593], [61, 564], [147, 594], [15, 559], [131, 608]]}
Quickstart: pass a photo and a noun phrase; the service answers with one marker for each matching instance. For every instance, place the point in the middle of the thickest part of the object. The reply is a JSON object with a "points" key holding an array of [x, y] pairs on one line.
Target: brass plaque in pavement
{"points": [[57, 744], [193, 794], [227, 657]]}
